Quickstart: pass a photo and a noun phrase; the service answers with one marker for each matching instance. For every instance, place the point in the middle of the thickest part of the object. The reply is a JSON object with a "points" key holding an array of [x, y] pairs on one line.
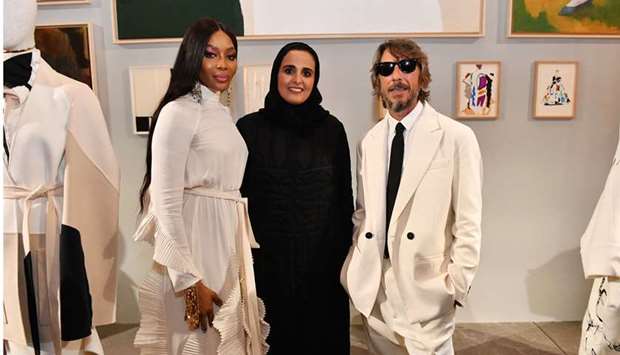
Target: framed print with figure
{"points": [[68, 49], [477, 89], [555, 89]]}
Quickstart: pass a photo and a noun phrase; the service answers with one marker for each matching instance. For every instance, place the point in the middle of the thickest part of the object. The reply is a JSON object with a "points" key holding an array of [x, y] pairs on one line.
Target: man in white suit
{"points": [[416, 244]]}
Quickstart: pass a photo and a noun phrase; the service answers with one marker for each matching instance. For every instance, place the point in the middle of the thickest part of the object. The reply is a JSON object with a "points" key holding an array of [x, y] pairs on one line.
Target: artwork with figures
{"points": [[477, 90], [268, 19], [564, 18], [555, 89], [148, 84], [68, 49]]}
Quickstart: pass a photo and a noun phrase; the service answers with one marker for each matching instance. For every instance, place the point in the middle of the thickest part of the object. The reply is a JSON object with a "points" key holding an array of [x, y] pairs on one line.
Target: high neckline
{"points": [[209, 95]]}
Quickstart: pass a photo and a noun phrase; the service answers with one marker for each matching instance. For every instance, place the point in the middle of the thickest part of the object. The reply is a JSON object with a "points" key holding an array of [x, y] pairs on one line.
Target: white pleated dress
{"points": [[198, 224]]}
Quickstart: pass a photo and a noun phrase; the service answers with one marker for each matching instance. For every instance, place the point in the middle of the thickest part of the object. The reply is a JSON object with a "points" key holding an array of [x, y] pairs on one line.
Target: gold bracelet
{"points": [[192, 309]]}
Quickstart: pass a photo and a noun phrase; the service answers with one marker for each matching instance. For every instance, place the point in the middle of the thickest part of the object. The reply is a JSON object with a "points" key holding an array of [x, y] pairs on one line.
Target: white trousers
{"points": [[380, 345], [600, 330], [389, 332]]}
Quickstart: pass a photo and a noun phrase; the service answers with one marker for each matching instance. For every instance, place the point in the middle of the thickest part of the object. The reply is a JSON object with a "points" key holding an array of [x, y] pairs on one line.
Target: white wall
{"points": [[542, 178]]}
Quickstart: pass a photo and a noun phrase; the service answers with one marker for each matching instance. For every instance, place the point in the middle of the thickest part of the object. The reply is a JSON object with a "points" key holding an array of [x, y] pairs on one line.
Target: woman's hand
{"points": [[200, 299]]}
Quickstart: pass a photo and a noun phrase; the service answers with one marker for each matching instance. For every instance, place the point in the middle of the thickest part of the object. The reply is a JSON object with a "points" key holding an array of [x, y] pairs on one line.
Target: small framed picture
{"points": [[555, 89], [256, 79], [477, 90], [148, 85], [68, 49]]}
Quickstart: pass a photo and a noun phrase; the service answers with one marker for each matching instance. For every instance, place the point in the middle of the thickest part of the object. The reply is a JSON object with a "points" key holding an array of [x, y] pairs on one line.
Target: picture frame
{"points": [[148, 85], [478, 90], [68, 48], [62, 2], [254, 19], [256, 79], [552, 18], [555, 89]]}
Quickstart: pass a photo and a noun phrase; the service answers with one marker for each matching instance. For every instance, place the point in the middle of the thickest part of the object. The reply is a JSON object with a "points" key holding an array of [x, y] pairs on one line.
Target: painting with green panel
{"points": [[568, 18], [157, 19], [166, 20]]}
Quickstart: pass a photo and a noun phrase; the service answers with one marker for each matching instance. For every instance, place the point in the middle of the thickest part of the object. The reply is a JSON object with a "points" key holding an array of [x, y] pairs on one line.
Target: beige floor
{"points": [[469, 339]]}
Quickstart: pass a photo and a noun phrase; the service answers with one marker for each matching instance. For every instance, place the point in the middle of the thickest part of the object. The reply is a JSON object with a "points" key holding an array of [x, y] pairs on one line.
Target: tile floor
{"points": [[548, 338]]}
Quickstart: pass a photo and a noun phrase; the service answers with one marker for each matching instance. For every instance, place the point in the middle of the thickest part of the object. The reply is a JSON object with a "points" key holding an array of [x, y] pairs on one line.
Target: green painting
{"points": [[569, 18]]}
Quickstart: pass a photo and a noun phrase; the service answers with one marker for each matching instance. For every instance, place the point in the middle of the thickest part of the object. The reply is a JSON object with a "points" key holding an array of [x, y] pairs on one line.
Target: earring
{"points": [[196, 93]]}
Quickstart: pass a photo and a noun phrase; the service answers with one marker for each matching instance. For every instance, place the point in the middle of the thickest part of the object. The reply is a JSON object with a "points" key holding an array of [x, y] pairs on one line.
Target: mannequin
{"points": [[600, 256], [59, 241]]}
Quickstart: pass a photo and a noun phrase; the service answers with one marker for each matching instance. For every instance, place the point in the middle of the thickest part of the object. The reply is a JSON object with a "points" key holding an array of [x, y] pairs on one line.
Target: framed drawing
{"points": [[555, 90], [379, 110], [148, 85], [564, 18], [62, 2], [256, 80], [477, 89], [68, 48], [271, 19]]}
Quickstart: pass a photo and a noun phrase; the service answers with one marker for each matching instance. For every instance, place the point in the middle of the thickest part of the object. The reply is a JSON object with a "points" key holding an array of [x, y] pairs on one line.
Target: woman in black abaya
{"points": [[298, 182]]}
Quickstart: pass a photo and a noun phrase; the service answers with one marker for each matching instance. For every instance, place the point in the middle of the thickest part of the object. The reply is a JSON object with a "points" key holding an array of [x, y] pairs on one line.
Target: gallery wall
{"points": [[541, 178]]}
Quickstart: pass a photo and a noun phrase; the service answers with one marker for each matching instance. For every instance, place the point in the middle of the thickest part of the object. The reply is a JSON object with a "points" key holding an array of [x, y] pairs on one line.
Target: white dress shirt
{"points": [[409, 122]]}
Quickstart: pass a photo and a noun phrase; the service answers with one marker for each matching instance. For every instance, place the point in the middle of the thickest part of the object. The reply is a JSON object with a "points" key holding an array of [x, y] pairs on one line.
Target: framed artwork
{"points": [[148, 85], [68, 48], [256, 80], [380, 111], [555, 89], [564, 18], [271, 19], [477, 89], [62, 2]]}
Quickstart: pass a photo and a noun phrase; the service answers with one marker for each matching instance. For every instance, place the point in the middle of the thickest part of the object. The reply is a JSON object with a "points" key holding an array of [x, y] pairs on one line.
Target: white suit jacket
{"points": [[600, 244], [434, 233]]}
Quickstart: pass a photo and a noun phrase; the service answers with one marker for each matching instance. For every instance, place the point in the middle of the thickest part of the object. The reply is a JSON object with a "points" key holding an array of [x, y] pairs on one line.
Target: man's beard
{"points": [[400, 105]]}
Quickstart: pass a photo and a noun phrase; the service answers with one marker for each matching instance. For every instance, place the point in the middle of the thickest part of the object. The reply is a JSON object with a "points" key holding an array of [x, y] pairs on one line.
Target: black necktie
{"points": [[393, 180], [17, 71]]}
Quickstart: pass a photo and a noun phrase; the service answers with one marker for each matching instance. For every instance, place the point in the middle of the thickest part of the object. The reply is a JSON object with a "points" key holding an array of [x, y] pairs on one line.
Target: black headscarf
{"points": [[300, 117]]}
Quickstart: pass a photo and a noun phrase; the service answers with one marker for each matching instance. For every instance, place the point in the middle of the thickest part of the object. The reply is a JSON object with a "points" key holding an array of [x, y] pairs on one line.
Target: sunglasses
{"points": [[387, 68]]}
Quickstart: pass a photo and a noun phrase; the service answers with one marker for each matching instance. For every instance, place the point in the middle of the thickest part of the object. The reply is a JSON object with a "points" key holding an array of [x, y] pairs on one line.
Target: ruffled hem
{"points": [[151, 336], [231, 322], [166, 249]]}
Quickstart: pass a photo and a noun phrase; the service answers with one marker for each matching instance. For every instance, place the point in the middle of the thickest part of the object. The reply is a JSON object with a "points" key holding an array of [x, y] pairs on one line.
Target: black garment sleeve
{"points": [[344, 190], [76, 313]]}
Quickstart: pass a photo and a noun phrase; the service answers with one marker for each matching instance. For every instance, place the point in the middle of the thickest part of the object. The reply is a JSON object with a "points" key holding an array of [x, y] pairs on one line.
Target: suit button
{"points": [[368, 235], [410, 236]]}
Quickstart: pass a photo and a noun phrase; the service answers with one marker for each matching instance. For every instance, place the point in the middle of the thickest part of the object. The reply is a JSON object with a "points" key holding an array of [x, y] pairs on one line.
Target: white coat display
{"points": [[600, 256], [61, 184], [434, 233]]}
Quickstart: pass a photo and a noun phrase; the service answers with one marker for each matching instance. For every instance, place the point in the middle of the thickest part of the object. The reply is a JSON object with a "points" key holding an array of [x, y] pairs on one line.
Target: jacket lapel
{"points": [[424, 144]]}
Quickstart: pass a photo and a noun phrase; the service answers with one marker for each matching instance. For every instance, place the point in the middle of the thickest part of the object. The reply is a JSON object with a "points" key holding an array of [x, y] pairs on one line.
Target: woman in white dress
{"points": [[199, 297]]}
